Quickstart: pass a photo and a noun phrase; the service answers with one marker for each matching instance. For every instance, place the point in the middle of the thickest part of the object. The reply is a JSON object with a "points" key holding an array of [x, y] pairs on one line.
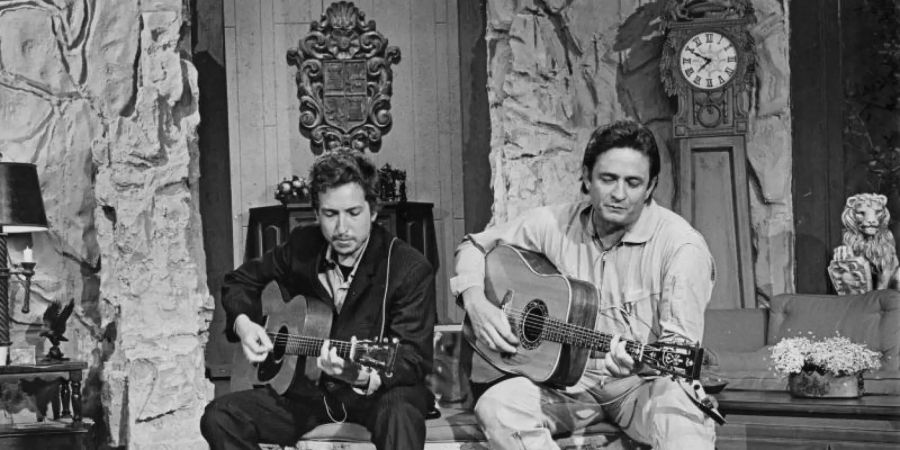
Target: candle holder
{"points": [[21, 211], [25, 269]]}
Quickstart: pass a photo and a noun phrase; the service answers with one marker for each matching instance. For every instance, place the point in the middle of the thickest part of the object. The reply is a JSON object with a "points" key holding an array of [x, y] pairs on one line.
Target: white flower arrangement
{"points": [[835, 354]]}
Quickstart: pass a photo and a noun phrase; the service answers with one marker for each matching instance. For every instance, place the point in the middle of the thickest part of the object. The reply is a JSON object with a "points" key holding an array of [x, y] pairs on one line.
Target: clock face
{"points": [[708, 60]]}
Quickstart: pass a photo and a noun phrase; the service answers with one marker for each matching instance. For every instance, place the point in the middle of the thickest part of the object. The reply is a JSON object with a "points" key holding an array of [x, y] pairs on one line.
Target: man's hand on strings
{"points": [[618, 362], [254, 340], [488, 321], [337, 367]]}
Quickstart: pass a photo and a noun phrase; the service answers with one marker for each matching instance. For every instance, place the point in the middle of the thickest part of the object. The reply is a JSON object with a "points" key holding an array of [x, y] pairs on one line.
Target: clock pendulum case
{"points": [[707, 63]]}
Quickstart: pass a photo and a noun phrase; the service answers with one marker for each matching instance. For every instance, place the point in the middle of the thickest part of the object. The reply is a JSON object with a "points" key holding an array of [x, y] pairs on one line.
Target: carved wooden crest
{"points": [[344, 81]]}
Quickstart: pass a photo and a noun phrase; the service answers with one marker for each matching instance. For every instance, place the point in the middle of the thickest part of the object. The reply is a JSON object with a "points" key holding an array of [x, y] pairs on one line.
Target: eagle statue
{"points": [[55, 318]]}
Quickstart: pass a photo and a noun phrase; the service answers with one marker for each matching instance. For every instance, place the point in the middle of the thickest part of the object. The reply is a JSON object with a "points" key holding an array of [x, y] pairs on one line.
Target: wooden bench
{"points": [[456, 429]]}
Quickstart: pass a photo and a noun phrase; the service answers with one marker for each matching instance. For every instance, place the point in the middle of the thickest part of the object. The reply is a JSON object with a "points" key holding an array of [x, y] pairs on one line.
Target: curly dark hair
{"points": [[623, 133], [340, 167]]}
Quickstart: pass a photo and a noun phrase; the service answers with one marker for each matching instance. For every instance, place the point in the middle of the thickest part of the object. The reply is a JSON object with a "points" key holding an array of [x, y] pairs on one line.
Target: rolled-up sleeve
{"points": [[687, 288], [527, 232]]}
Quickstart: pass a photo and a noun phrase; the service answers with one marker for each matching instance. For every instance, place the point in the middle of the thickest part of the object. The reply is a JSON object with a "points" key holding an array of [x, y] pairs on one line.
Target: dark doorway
{"points": [[844, 90], [208, 50], [476, 121]]}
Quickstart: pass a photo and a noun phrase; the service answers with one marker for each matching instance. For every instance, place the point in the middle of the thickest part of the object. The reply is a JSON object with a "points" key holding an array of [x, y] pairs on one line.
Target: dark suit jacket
{"points": [[410, 299]]}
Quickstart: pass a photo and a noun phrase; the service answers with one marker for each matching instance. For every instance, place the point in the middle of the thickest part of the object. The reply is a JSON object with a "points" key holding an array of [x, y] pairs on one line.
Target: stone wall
{"points": [[559, 68], [99, 97]]}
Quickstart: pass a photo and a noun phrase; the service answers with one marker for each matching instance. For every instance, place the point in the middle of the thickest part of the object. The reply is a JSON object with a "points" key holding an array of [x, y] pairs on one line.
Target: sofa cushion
{"points": [[750, 370], [740, 330], [872, 319], [738, 360], [882, 382]]}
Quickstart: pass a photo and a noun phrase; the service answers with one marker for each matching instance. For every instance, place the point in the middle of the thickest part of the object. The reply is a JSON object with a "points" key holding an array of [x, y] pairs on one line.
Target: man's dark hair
{"points": [[340, 167], [623, 133]]}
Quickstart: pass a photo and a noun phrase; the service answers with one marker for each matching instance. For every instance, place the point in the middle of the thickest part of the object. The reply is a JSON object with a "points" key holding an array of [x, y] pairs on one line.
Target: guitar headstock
{"points": [[376, 355], [680, 360]]}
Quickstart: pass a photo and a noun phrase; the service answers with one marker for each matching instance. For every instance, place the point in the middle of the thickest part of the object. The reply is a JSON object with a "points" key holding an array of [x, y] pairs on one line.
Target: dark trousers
{"points": [[242, 420]]}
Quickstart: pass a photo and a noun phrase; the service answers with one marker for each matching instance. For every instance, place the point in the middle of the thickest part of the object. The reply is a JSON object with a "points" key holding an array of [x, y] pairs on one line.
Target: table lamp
{"points": [[21, 211]]}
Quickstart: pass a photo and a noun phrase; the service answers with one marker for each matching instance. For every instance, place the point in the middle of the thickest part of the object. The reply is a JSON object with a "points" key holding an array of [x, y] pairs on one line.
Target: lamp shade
{"points": [[21, 205]]}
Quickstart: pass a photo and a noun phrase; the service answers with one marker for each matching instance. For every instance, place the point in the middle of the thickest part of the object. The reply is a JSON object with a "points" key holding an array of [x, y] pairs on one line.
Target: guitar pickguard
{"points": [[268, 369]]}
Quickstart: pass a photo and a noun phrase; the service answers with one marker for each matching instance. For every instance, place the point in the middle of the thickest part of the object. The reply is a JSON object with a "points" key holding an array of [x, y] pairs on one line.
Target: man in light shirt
{"points": [[375, 285], [655, 276]]}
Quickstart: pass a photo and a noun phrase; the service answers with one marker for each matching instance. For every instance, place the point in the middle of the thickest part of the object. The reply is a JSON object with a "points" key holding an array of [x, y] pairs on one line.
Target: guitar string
{"points": [[563, 330], [589, 336], [308, 344], [573, 331], [586, 335]]}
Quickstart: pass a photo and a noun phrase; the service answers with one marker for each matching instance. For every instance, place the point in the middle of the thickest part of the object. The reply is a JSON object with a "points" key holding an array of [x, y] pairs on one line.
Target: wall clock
{"points": [[707, 65], [708, 60]]}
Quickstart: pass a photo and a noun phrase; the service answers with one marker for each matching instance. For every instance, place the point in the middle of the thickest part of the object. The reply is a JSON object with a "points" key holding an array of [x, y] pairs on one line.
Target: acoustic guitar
{"points": [[553, 317], [297, 329]]}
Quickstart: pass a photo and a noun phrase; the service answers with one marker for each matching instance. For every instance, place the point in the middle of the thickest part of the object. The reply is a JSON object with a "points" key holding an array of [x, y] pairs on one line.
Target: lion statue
{"points": [[865, 219]]}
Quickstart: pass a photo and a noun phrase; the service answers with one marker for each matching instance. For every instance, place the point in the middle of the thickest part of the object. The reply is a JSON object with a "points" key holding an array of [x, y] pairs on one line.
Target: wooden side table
{"points": [[67, 429], [770, 419]]}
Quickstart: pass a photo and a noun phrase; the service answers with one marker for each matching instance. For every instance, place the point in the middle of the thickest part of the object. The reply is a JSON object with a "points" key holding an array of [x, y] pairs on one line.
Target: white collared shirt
{"points": [[654, 284], [333, 279]]}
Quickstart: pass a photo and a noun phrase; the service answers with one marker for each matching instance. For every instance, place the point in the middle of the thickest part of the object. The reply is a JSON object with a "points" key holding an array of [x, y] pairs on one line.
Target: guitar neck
{"points": [[565, 333], [674, 359], [308, 345]]}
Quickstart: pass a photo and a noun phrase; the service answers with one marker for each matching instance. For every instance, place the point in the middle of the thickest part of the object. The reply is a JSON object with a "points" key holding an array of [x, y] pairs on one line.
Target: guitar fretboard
{"points": [[307, 345], [555, 330]]}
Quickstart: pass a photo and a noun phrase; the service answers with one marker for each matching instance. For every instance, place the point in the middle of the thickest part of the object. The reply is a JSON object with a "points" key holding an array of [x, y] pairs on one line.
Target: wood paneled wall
{"points": [[265, 142]]}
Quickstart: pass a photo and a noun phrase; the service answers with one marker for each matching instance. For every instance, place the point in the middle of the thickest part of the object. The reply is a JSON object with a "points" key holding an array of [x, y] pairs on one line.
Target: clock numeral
{"points": [[697, 80], [732, 59], [685, 60], [729, 70], [697, 42], [709, 37], [709, 82], [689, 71], [721, 80]]}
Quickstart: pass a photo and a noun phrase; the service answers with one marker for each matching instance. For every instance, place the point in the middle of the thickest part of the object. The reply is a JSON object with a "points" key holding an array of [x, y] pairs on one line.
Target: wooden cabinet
{"points": [[411, 221], [65, 429]]}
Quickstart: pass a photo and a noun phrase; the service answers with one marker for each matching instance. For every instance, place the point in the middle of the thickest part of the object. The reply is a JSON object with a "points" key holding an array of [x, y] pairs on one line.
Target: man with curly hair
{"points": [[375, 285]]}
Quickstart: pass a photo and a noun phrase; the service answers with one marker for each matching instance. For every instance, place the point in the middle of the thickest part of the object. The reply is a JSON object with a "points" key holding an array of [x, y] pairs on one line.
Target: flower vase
{"points": [[812, 384]]}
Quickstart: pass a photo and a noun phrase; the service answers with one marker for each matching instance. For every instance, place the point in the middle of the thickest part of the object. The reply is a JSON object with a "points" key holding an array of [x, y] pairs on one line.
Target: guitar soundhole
{"points": [[534, 319], [269, 368], [279, 342]]}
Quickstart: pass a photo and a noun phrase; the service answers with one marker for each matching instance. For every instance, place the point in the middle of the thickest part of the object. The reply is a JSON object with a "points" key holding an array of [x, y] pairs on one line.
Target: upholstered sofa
{"points": [[737, 343]]}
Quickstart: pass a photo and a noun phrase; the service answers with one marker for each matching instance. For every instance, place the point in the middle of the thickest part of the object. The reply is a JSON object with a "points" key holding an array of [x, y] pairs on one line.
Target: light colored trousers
{"points": [[518, 414]]}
